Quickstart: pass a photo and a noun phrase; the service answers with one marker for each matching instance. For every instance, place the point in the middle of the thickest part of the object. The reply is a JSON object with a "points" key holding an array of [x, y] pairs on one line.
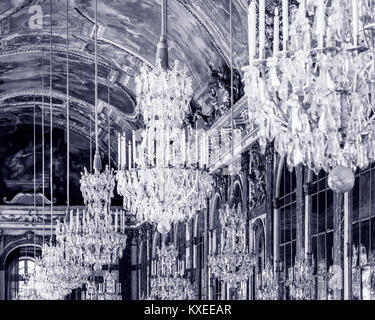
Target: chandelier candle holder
{"points": [[233, 262], [268, 286], [301, 280], [315, 98], [167, 281]]}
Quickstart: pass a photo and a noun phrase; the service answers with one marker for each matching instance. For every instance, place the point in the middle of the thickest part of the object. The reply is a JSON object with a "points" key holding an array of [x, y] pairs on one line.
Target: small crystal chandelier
{"points": [[233, 263], [163, 179], [301, 280], [167, 282], [28, 291], [315, 99], [110, 289], [268, 286]]}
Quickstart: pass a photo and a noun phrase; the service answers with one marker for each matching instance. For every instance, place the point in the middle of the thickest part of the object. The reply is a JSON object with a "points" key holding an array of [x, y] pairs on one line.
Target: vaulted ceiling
{"points": [[128, 34], [198, 36]]}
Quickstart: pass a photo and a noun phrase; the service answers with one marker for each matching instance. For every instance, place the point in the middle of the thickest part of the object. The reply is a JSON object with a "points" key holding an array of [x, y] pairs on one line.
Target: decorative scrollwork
{"points": [[257, 182]]}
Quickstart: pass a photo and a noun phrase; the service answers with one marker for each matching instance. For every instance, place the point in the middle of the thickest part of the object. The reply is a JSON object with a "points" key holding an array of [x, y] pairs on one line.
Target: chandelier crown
{"points": [[97, 188]]}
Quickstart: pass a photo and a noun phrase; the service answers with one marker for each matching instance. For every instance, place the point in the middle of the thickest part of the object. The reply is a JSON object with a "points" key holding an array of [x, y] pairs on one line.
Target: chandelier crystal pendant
{"points": [[232, 263], [315, 99], [167, 282], [162, 172]]}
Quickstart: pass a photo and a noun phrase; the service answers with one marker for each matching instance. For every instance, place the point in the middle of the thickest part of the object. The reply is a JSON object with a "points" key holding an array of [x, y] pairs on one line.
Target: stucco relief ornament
{"points": [[257, 182]]}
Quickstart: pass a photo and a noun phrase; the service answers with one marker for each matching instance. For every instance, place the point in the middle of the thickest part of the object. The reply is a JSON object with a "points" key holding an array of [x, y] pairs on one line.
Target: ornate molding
{"points": [[27, 199], [245, 162], [269, 154], [221, 182], [257, 177], [219, 89]]}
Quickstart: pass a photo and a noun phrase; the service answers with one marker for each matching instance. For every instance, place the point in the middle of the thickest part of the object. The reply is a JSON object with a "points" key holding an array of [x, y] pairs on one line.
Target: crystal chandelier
{"points": [[315, 99], [268, 285], [28, 290], [53, 277], [167, 282], [301, 280], [164, 177], [94, 241], [110, 289], [233, 263]]}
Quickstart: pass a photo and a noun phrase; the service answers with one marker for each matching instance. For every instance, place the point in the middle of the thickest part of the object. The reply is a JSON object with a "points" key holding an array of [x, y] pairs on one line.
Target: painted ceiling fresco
{"points": [[198, 36]]}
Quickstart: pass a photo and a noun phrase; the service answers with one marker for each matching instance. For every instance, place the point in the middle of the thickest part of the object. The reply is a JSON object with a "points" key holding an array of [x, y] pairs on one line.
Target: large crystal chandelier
{"points": [[232, 263], [315, 99], [167, 282], [162, 178], [94, 240], [301, 280]]}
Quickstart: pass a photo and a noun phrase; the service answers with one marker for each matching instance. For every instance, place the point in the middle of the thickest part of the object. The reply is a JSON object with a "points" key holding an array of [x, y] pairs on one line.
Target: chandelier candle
{"points": [[285, 24], [320, 29], [276, 33], [262, 28], [252, 30], [355, 22]]}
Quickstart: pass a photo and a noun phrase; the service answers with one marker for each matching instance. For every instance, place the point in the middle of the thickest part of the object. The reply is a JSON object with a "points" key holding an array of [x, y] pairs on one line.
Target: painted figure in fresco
{"points": [[19, 162]]}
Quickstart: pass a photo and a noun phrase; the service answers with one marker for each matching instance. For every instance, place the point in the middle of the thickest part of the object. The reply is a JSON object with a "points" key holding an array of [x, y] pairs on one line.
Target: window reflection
{"points": [[287, 225]]}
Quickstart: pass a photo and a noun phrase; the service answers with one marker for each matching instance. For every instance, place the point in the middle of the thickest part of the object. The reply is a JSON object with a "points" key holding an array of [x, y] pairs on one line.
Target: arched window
{"points": [[144, 269], [181, 244], [237, 195], [215, 243], [199, 254], [321, 232], [287, 225], [259, 249], [19, 267], [363, 234]]}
